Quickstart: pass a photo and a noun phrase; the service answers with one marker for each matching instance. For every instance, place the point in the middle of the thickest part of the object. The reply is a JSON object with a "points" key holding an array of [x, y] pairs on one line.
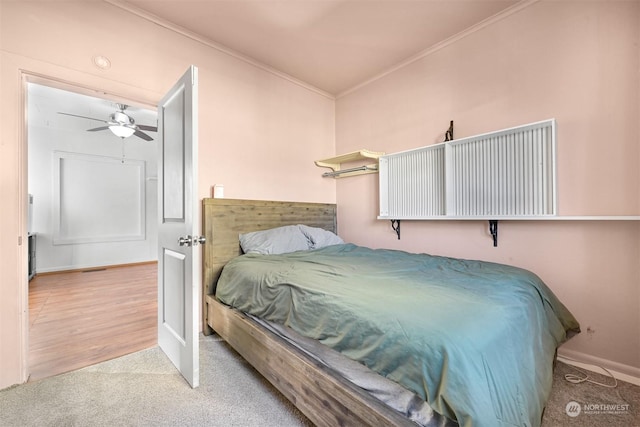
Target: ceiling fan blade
{"points": [[143, 135], [83, 117], [149, 128], [100, 128]]}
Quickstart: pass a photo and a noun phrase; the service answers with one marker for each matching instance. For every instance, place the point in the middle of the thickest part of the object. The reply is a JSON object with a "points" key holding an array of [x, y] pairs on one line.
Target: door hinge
{"points": [[19, 240]]}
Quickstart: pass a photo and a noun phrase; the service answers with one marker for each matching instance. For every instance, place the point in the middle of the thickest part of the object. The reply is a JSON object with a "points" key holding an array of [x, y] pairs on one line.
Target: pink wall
{"points": [[256, 131], [576, 61]]}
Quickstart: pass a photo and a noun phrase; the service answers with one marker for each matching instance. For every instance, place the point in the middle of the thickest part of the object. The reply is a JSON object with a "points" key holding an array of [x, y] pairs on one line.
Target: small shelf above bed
{"points": [[337, 169]]}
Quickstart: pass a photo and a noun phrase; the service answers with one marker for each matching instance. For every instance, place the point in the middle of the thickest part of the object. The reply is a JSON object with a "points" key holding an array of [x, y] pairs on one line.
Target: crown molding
{"points": [[214, 45], [441, 45], [237, 55]]}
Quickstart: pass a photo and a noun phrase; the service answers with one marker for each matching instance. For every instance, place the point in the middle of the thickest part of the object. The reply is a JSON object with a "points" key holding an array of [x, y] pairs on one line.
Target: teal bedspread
{"points": [[475, 339]]}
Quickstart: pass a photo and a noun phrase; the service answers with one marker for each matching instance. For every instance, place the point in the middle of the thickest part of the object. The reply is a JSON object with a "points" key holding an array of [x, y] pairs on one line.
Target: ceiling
{"points": [[333, 45]]}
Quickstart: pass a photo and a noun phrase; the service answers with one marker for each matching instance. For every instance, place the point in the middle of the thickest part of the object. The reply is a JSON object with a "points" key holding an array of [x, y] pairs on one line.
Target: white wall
{"points": [[49, 133]]}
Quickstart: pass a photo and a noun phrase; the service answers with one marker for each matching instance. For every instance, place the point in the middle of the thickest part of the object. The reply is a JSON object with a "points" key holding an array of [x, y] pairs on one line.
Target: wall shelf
{"points": [[337, 169], [493, 220], [518, 218]]}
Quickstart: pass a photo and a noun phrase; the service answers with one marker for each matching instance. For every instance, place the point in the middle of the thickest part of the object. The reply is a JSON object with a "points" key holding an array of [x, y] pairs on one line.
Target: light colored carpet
{"points": [[144, 389], [599, 406]]}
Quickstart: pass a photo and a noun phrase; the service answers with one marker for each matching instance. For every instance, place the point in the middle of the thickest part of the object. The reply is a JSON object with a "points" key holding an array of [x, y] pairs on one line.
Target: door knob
{"points": [[185, 241], [191, 240]]}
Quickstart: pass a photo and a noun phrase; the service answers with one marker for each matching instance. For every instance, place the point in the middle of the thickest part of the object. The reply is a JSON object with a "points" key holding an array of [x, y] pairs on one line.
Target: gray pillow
{"points": [[319, 238], [288, 238]]}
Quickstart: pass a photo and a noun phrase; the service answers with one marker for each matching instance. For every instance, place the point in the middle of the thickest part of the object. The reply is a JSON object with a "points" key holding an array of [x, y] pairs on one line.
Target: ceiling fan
{"points": [[121, 124]]}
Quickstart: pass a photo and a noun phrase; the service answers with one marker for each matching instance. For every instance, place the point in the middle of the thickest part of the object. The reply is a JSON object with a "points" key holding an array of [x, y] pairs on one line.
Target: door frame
{"points": [[23, 171]]}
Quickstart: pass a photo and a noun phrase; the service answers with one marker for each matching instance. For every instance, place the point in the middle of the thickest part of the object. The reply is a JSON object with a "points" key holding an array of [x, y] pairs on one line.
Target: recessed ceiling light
{"points": [[102, 62]]}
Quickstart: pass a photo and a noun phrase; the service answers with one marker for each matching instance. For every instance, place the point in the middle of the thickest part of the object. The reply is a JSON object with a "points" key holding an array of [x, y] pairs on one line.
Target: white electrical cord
{"points": [[577, 379]]}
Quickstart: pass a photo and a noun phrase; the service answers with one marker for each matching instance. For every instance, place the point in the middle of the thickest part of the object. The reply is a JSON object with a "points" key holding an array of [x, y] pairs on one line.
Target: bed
{"points": [[468, 383]]}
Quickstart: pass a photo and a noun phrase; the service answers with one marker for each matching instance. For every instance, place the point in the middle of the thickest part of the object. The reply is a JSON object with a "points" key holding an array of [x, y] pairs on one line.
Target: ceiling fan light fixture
{"points": [[122, 131], [121, 124]]}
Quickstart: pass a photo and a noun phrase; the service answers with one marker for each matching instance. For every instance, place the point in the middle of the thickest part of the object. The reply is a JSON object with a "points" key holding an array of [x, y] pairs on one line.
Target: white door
{"points": [[179, 260]]}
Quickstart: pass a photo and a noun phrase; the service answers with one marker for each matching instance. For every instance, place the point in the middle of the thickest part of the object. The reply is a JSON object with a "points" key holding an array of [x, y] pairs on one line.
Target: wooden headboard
{"points": [[223, 220]]}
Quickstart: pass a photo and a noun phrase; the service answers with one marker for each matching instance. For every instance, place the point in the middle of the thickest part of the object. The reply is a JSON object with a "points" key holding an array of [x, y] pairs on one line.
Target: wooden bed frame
{"points": [[325, 398]]}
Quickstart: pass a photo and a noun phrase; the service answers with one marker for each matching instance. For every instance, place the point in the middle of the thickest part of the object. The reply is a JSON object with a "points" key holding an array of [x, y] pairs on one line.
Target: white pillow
{"points": [[319, 238], [288, 238]]}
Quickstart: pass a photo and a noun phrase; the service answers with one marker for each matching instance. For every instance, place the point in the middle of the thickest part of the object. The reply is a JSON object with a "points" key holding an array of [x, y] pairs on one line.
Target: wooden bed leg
{"points": [[206, 329]]}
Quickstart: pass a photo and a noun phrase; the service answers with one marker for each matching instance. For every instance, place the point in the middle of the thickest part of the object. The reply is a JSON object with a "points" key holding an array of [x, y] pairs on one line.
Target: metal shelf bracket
{"points": [[493, 229], [395, 224]]}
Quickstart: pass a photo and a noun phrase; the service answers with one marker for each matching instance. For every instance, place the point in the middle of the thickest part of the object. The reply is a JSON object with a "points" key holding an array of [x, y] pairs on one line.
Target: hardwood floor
{"points": [[80, 318]]}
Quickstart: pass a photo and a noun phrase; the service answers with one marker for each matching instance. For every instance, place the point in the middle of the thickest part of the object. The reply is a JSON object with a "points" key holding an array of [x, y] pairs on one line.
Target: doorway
{"points": [[83, 317], [93, 224]]}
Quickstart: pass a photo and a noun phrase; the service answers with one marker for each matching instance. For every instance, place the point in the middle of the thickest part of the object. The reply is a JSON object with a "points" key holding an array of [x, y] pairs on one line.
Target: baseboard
{"points": [[620, 371], [74, 269]]}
